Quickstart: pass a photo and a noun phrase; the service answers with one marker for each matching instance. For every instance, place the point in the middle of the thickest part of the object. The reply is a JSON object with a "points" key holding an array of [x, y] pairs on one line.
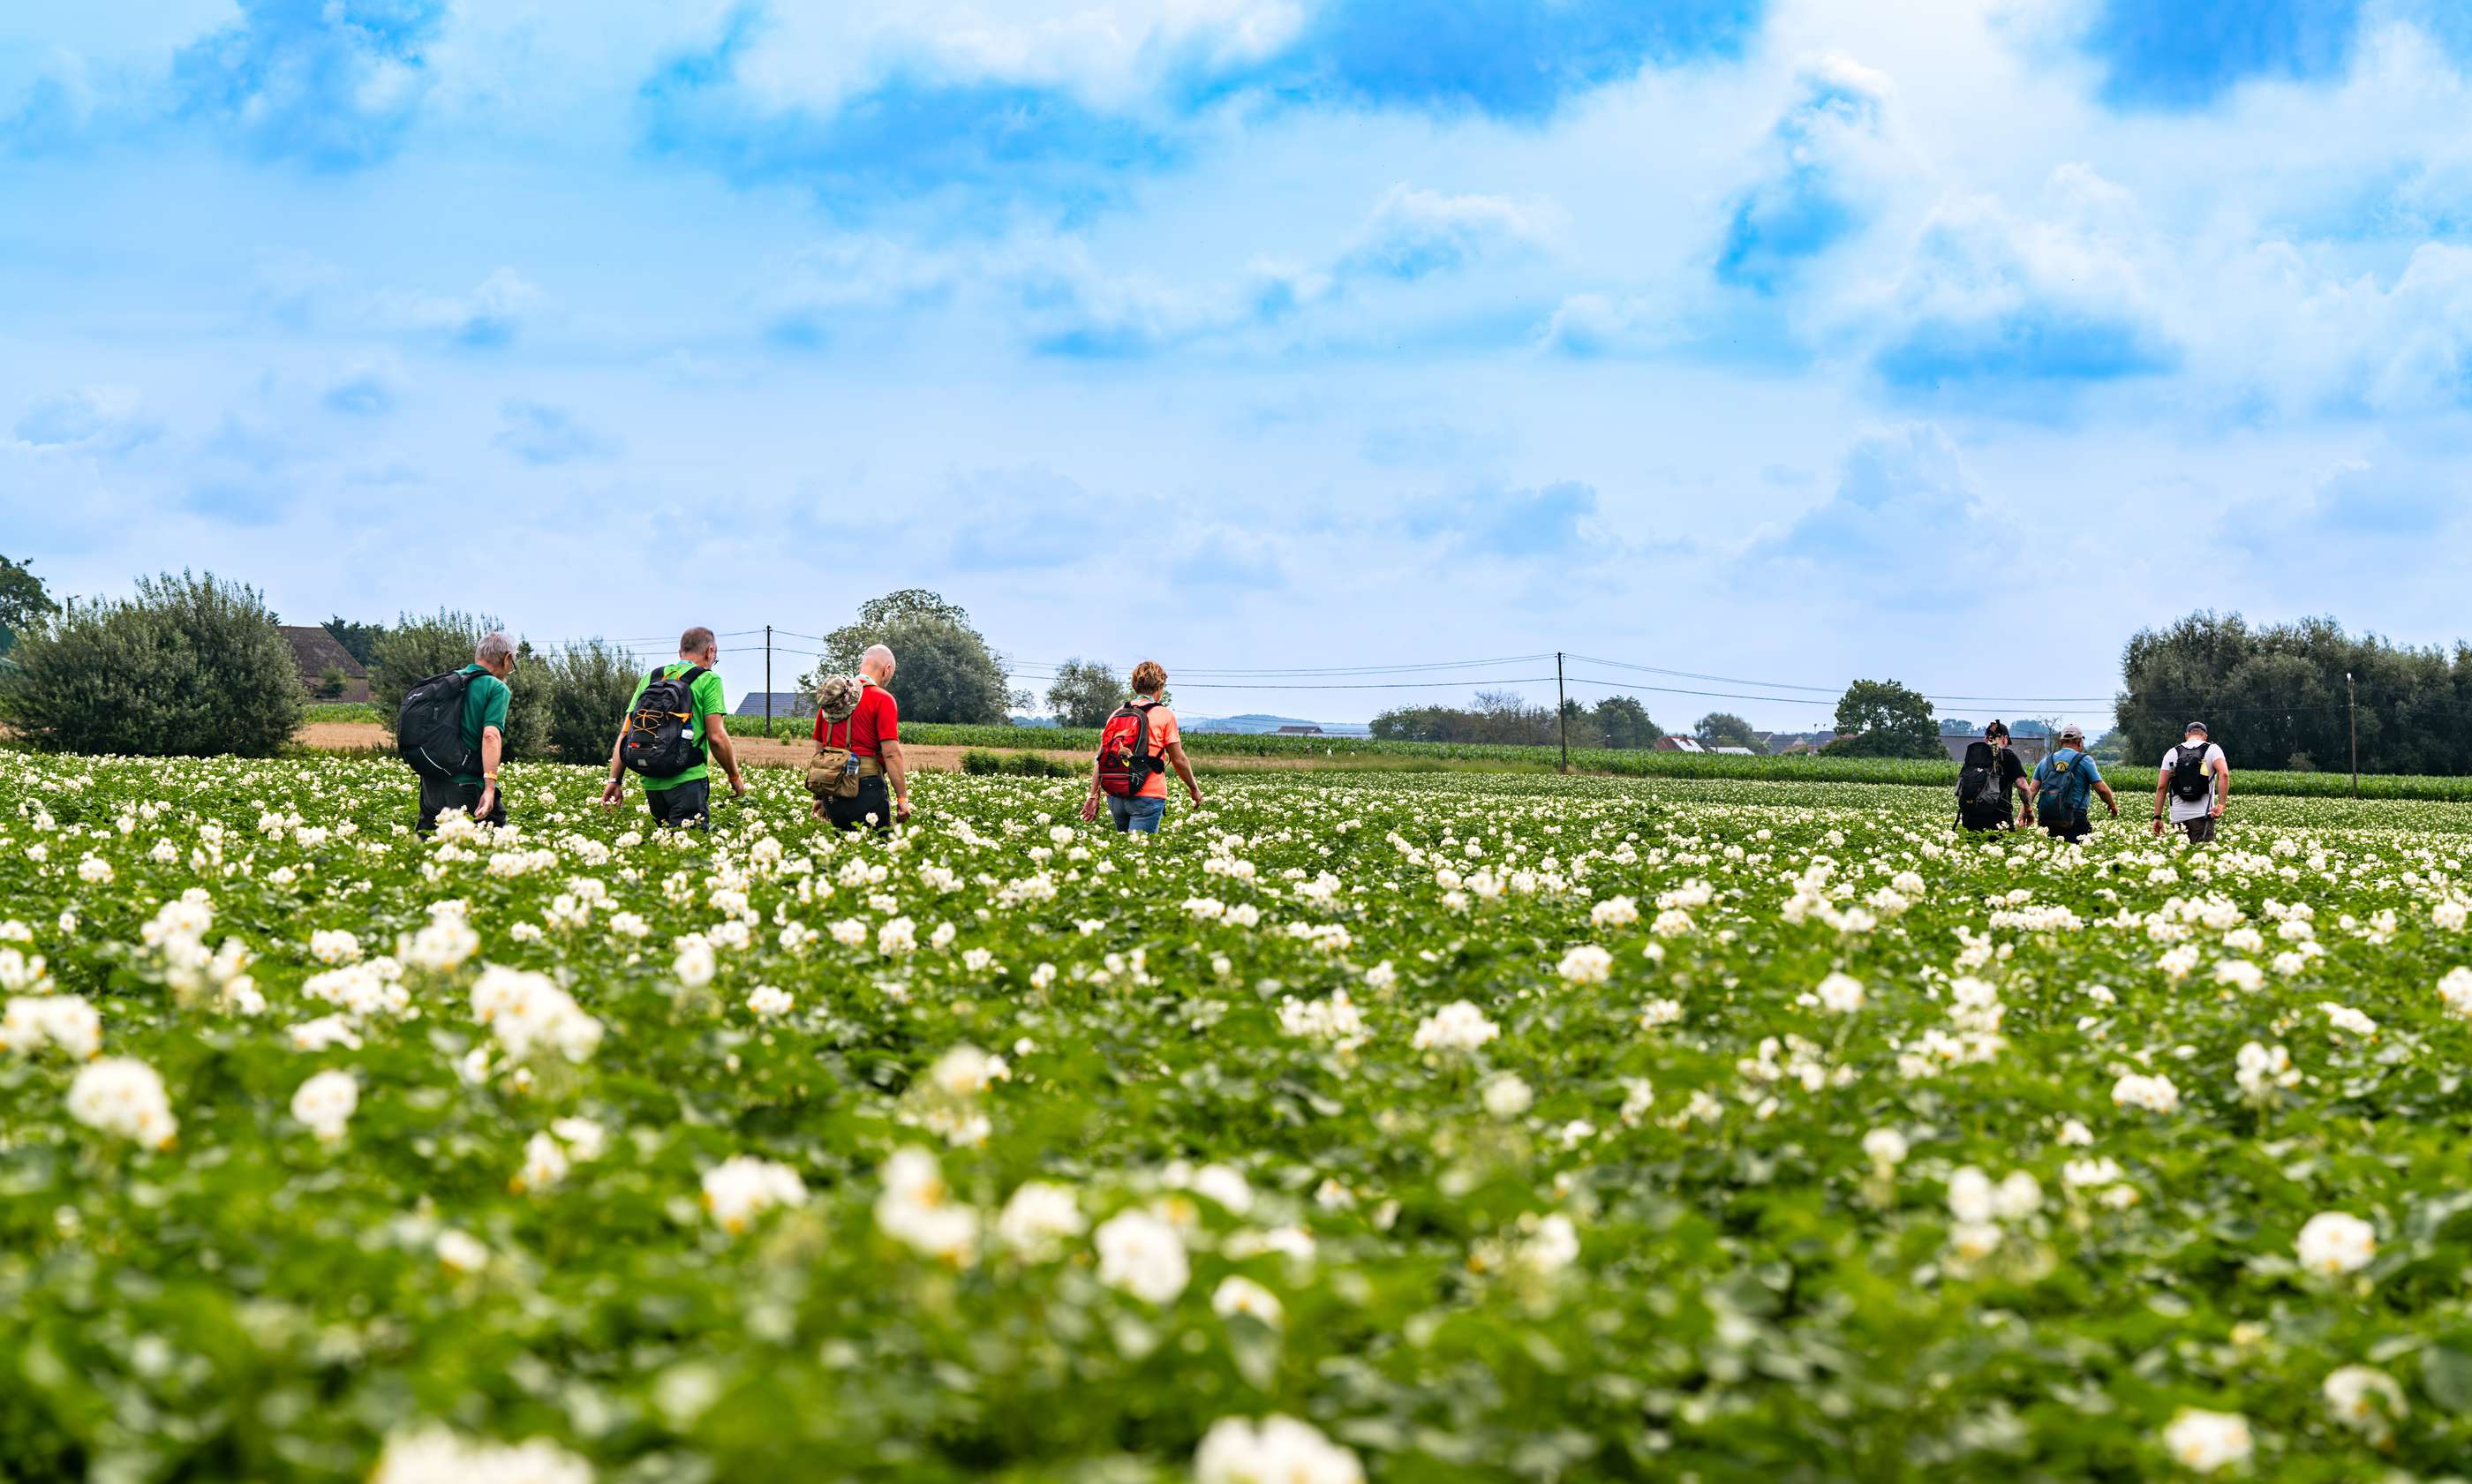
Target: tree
{"points": [[23, 602], [2274, 692], [331, 681], [359, 640], [585, 691], [189, 667], [1085, 693], [1724, 729], [1880, 718], [944, 669], [1624, 722]]}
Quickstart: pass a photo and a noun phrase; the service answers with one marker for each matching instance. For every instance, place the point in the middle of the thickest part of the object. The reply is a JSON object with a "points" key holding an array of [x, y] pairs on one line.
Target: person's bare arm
{"points": [[898, 770], [2162, 785], [716, 737], [2108, 802], [493, 747], [616, 788], [1183, 769], [2223, 785]]}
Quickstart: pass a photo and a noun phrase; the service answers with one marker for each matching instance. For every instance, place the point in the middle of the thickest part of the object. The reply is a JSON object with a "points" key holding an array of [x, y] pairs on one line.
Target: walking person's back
{"points": [[1986, 780], [452, 730], [1136, 748], [673, 727], [2062, 783], [2194, 779], [858, 750]]}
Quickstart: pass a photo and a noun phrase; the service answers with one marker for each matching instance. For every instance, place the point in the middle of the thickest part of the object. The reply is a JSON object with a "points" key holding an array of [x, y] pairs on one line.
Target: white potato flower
{"points": [[1279, 1450], [1142, 1255], [326, 1102], [2334, 1242], [124, 1096], [1237, 1294], [1841, 994], [742, 1188], [1506, 1095], [1457, 1026], [1586, 964], [2208, 1442], [2365, 1400], [1038, 1219]]}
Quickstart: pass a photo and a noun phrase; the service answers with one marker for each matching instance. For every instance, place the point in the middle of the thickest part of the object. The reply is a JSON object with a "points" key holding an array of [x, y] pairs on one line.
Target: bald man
{"points": [[872, 733]]}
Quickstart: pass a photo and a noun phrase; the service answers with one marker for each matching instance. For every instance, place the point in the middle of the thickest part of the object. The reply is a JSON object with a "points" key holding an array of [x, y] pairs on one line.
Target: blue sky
{"points": [[1950, 341]]}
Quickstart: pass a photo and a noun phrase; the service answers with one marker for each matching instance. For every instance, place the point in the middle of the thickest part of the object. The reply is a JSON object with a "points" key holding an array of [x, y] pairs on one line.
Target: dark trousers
{"points": [[438, 795], [871, 798], [2067, 824], [683, 806], [2200, 831]]}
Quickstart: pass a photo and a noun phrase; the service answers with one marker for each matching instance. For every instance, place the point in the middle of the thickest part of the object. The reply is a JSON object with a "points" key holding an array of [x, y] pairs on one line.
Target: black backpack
{"points": [[1978, 784], [659, 731], [2189, 781], [428, 729]]}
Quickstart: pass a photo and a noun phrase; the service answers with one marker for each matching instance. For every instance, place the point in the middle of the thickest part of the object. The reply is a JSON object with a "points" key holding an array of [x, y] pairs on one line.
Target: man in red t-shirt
{"points": [[872, 733]]}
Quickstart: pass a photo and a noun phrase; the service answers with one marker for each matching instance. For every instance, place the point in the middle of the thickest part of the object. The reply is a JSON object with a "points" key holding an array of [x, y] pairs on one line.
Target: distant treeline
{"points": [[1501, 718], [2274, 695]]}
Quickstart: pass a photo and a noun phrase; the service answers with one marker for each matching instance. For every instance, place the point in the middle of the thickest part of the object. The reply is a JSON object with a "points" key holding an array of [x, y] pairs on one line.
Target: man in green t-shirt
{"points": [[484, 730], [684, 800]]}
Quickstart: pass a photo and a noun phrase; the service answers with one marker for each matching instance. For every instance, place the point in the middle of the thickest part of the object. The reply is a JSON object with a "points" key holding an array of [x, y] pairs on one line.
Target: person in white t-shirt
{"points": [[2196, 792]]}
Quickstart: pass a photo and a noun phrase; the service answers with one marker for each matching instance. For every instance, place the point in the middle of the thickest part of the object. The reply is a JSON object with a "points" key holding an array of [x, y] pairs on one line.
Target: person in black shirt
{"points": [[1993, 754]]}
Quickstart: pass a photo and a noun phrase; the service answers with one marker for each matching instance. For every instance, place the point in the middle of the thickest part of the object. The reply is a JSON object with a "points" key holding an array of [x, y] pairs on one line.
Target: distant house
{"points": [[785, 703], [1679, 745], [1739, 752], [315, 652], [1298, 729]]}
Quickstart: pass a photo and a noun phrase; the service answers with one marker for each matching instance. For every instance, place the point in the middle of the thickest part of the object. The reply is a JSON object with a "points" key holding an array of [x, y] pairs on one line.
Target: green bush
{"points": [[417, 648], [189, 667], [584, 690], [977, 760]]}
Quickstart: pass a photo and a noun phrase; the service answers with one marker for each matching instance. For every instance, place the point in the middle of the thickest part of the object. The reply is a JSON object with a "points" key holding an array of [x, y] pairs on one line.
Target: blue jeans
{"points": [[1139, 814]]}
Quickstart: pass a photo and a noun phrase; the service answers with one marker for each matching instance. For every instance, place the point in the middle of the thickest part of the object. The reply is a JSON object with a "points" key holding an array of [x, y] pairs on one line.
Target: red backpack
{"points": [[1125, 761]]}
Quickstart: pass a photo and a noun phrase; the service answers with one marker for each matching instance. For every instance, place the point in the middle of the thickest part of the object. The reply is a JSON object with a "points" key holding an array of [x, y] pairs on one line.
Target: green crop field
{"points": [[1416, 1128]]}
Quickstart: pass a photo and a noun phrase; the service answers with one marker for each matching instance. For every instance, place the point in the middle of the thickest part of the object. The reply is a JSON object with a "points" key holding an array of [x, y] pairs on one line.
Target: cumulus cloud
{"points": [[538, 434], [488, 316], [335, 83], [1819, 179], [1903, 503], [2067, 294], [1414, 232], [93, 419], [1555, 521]]}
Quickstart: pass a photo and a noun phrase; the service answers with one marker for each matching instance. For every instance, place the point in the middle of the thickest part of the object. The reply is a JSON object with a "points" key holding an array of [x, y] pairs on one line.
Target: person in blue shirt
{"points": [[2062, 781]]}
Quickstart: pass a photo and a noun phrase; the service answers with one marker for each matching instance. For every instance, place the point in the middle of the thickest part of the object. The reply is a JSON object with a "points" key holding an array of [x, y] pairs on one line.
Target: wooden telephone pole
{"points": [[2352, 713], [1561, 710]]}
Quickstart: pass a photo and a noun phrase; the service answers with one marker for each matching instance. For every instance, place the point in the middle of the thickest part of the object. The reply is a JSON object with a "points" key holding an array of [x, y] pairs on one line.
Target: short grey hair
{"points": [[492, 648], [877, 654]]}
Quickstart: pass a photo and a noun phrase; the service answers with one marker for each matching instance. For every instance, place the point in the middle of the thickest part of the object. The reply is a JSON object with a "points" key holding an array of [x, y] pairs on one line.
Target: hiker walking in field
{"points": [[2062, 781], [452, 729], [858, 747], [2196, 780], [1986, 781], [672, 732], [1136, 748]]}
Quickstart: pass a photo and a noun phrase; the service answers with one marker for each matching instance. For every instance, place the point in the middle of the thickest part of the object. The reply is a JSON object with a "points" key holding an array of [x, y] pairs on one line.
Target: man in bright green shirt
{"points": [[484, 729], [683, 800]]}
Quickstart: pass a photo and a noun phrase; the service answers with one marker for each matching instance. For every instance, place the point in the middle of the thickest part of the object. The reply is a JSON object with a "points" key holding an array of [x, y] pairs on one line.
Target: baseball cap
{"points": [[2198, 727], [2073, 730]]}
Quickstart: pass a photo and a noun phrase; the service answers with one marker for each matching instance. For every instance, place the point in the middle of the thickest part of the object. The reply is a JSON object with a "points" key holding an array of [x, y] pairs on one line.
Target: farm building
{"points": [[321, 661]]}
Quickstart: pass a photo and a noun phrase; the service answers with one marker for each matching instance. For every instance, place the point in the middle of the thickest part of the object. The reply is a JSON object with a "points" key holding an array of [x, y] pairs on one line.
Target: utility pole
{"points": [[767, 680], [1561, 710], [2352, 711]]}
